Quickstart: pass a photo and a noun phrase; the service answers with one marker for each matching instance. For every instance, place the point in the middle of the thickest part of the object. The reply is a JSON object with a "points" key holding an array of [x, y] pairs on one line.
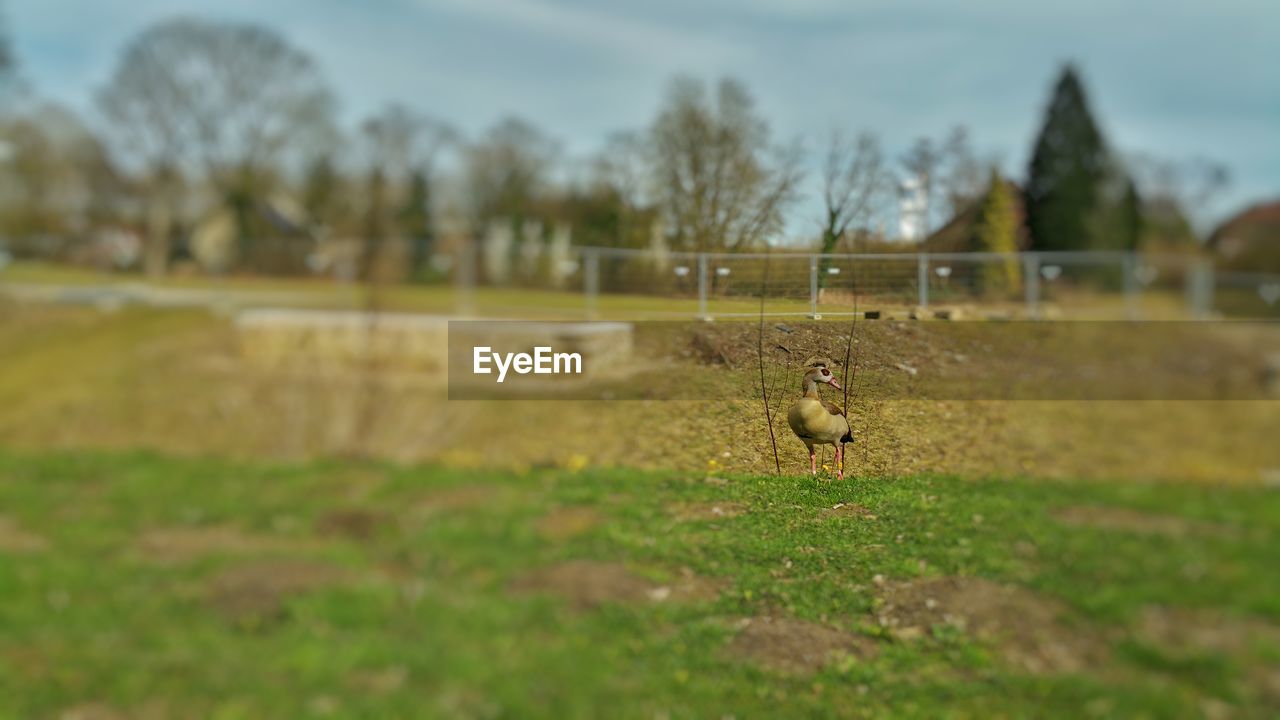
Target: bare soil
{"points": [[1188, 631], [1028, 630], [462, 497], [796, 646], [14, 539], [177, 545], [848, 510], [352, 523], [257, 592], [92, 711], [707, 511], [587, 584], [568, 522], [1133, 521], [381, 681]]}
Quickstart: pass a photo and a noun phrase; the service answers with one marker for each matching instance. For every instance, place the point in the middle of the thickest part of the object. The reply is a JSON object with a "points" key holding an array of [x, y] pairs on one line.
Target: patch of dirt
{"points": [[1027, 629], [383, 681], [707, 511], [1192, 632], [1267, 680], [1188, 631], [149, 710], [257, 592], [177, 545], [351, 523], [568, 522], [91, 711], [1133, 521], [708, 349], [587, 584], [848, 510], [462, 497], [796, 646], [14, 539], [688, 587]]}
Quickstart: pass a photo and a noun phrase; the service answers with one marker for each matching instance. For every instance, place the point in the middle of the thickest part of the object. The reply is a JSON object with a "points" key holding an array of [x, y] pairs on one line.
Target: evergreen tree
{"points": [[415, 223], [996, 231], [320, 191], [1131, 221], [7, 61], [1067, 170], [1115, 223]]}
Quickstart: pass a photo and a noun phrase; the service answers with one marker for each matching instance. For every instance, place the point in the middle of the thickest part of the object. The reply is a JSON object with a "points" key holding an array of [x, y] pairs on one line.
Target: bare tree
{"points": [[723, 184], [58, 183], [221, 101], [921, 163], [508, 171], [401, 139], [963, 179], [622, 166], [619, 173], [854, 183], [1187, 188], [402, 147]]}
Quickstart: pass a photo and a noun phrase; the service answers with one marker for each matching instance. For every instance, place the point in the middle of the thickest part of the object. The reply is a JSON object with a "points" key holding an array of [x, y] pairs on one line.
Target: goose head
{"points": [[820, 374]]}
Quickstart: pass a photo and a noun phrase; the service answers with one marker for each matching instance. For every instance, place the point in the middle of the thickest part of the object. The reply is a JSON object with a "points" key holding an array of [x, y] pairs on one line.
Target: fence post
{"points": [[465, 278], [813, 287], [702, 286], [591, 279], [922, 278], [1129, 268], [1200, 288], [1031, 283]]}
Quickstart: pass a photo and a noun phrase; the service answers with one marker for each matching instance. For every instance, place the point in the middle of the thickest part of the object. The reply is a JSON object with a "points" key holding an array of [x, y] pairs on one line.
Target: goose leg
{"points": [[839, 462], [813, 461]]}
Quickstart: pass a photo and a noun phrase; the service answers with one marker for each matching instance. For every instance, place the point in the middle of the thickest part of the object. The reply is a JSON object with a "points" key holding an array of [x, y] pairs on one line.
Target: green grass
{"points": [[424, 620]]}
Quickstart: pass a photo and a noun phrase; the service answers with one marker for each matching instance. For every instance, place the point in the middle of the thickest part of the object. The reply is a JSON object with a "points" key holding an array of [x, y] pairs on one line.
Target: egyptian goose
{"points": [[820, 423]]}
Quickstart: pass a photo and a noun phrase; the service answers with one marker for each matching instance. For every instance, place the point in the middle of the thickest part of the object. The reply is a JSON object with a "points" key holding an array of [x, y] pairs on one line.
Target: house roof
{"points": [[957, 234], [1250, 240], [1262, 219]]}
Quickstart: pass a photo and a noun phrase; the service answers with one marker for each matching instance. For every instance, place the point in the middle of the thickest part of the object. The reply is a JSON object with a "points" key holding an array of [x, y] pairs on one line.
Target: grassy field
{"points": [[141, 586], [580, 559], [184, 533]]}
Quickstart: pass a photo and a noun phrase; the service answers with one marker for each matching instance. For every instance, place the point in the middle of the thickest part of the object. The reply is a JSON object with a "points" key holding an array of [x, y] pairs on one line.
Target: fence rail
{"points": [[634, 284], [1094, 284]]}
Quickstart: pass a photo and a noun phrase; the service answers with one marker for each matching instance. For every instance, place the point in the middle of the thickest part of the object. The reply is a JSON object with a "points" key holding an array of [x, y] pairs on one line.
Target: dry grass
{"points": [[172, 381]]}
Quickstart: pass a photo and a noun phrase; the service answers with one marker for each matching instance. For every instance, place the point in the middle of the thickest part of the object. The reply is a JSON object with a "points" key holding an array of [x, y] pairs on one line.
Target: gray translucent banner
{"points": [[888, 359]]}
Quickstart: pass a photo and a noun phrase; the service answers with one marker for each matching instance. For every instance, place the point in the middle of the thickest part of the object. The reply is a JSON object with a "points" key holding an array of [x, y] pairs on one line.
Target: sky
{"points": [[1169, 78]]}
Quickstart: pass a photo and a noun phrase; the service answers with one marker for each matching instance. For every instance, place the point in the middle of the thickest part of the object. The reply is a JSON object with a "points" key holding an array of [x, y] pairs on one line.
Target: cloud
{"points": [[627, 37]]}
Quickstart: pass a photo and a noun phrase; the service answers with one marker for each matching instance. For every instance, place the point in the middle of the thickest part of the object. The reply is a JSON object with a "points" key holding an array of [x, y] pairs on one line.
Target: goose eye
{"points": [[825, 372]]}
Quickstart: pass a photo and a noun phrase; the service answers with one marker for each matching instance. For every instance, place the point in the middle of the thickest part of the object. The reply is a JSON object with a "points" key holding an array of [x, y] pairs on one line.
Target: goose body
{"points": [[819, 423]]}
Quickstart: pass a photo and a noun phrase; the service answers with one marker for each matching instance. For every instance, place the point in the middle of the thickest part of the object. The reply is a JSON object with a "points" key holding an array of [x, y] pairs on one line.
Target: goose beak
{"points": [[832, 382]]}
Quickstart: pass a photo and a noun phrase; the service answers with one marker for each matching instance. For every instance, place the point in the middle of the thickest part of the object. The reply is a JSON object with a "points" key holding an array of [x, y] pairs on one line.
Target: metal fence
{"points": [[1091, 284], [595, 282]]}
